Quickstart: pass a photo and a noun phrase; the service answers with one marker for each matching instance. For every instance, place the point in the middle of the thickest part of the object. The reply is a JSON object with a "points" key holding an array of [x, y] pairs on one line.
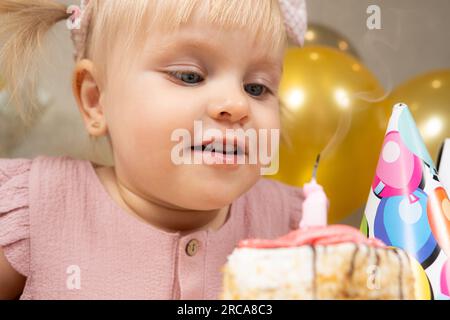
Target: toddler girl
{"points": [[149, 227]]}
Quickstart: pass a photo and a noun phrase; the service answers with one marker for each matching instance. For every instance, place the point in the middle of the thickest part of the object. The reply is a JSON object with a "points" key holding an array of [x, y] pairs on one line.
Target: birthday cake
{"points": [[318, 261], [333, 262]]}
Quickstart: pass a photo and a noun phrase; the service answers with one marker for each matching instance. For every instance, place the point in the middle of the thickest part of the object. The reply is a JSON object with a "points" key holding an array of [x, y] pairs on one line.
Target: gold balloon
{"points": [[325, 95], [428, 97], [321, 35]]}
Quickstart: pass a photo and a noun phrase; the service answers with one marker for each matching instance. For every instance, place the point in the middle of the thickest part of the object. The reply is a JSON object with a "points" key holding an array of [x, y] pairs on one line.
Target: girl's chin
{"points": [[214, 191], [214, 197]]}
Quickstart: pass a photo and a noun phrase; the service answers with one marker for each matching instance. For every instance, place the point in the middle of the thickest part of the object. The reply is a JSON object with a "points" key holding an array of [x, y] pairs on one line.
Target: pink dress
{"points": [[58, 222]]}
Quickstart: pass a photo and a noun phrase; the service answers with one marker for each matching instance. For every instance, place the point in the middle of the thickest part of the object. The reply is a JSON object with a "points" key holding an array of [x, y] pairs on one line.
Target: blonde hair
{"points": [[24, 24]]}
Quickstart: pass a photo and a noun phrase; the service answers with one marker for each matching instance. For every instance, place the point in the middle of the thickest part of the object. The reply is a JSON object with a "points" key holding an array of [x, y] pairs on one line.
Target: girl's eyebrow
{"points": [[191, 44]]}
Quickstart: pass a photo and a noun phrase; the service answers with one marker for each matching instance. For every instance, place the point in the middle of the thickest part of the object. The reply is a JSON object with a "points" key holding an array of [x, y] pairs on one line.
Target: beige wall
{"points": [[58, 129], [414, 37]]}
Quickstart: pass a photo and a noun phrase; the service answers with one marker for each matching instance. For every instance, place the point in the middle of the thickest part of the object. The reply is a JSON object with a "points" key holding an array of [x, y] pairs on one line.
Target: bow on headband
{"points": [[294, 13], [295, 19]]}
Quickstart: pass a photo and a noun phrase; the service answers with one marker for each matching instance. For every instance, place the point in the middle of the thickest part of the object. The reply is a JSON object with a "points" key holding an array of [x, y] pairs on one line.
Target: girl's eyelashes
{"points": [[187, 77], [192, 78], [256, 90]]}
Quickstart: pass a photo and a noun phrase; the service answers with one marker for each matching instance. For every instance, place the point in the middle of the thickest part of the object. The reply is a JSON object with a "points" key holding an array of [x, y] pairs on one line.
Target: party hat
{"points": [[444, 165], [408, 206]]}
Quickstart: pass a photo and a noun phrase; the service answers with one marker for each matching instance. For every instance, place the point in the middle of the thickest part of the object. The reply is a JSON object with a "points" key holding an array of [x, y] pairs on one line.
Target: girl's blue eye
{"points": [[192, 78], [255, 90], [188, 77]]}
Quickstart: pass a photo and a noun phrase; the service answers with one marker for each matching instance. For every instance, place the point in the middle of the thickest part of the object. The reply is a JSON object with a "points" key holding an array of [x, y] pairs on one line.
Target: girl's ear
{"points": [[87, 93]]}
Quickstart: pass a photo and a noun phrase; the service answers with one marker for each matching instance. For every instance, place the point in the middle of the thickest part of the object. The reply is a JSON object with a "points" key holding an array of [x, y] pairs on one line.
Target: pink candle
{"points": [[315, 206]]}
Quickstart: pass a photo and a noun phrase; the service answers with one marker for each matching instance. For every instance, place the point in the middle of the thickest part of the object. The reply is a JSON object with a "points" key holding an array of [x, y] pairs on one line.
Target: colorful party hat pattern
{"points": [[408, 207]]}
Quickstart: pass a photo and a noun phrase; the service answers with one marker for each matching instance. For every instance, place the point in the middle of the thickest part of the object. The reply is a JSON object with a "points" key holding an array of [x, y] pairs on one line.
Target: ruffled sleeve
{"points": [[14, 216]]}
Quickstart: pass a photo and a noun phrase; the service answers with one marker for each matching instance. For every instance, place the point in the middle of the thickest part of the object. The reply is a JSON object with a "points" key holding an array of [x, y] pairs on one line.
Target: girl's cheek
{"points": [[269, 118]]}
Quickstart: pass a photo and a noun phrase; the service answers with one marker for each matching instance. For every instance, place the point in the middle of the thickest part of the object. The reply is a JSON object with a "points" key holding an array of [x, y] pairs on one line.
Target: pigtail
{"points": [[23, 26]]}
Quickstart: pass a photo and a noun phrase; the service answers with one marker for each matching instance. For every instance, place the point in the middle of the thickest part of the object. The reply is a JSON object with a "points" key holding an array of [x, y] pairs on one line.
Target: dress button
{"points": [[192, 247]]}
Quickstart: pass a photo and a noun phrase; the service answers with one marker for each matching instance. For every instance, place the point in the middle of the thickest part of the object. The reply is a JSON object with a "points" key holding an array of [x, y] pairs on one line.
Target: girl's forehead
{"points": [[260, 20], [154, 25], [207, 37]]}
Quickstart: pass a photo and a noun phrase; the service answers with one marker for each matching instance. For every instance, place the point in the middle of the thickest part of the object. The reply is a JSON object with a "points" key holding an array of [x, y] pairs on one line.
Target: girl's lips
{"points": [[236, 143], [220, 159]]}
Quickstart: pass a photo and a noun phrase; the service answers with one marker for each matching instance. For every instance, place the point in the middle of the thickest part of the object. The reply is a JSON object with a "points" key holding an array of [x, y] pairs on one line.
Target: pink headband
{"points": [[294, 13]]}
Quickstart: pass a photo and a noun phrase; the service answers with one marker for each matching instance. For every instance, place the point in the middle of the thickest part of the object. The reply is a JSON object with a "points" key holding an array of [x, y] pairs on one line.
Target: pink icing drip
{"points": [[327, 235]]}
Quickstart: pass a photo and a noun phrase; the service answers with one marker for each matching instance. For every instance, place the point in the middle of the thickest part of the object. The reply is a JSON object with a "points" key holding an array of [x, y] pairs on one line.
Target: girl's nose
{"points": [[232, 108]]}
